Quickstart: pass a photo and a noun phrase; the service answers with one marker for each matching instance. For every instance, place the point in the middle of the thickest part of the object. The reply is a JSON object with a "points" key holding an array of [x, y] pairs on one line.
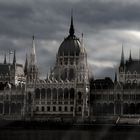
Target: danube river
{"points": [[68, 135]]}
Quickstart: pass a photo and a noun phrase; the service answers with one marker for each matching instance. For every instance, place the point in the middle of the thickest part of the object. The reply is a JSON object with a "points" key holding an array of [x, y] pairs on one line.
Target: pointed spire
{"points": [[122, 57], [33, 52], [139, 53], [130, 57], [115, 79], [71, 30], [5, 61], [14, 58], [26, 65]]}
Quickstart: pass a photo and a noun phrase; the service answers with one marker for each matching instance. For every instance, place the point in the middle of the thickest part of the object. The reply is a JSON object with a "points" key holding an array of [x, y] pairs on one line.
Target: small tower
{"points": [[121, 68], [5, 61], [130, 57], [26, 66], [115, 79], [14, 58], [33, 69]]}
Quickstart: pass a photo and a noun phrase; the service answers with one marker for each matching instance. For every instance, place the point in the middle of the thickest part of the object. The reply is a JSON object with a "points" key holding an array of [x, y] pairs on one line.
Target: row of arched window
{"points": [[13, 108], [125, 108], [57, 109], [55, 93]]}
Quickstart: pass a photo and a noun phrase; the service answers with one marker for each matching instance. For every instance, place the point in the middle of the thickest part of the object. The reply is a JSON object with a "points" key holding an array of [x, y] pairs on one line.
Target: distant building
{"points": [[119, 97]]}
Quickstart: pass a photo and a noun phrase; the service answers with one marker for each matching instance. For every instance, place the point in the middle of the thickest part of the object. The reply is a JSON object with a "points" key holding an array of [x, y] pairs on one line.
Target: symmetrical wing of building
{"points": [[68, 92]]}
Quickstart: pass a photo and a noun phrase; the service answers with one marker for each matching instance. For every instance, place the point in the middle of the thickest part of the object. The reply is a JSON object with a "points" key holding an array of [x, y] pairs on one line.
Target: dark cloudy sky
{"points": [[106, 24]]}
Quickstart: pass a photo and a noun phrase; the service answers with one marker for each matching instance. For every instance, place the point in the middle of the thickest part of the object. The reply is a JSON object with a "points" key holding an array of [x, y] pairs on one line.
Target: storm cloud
{"points": [[106, 25]]}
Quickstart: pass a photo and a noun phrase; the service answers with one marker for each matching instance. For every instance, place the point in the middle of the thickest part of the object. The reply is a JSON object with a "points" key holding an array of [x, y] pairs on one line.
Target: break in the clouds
{"points": [[106, 24]]}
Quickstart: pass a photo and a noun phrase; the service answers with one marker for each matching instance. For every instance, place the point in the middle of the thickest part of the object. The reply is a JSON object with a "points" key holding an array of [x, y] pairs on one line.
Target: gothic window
{"points": [[29, 97], [66, 93], [54, 108], [60, 108], [66, 61], [79, 108], [54, 93], [71, 61], [71, 74], [37, 93], [42, 108], [48, 93], [37, 108], [48, 108], [64, 74], [60, 94], [43, 93], [79, 95], [72, 91], [66, 108], [71, 108]]}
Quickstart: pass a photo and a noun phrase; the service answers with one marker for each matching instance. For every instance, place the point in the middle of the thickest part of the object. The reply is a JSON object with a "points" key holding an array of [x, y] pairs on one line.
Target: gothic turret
{"points": [[115, 79], [121, 68], [33, 69], [26, 66], [130, 57], [5, 61], [14, 58]]}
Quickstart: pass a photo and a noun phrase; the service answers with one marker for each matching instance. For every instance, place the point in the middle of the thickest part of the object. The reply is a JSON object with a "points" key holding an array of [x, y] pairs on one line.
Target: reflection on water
{"points": [[67, 135]]}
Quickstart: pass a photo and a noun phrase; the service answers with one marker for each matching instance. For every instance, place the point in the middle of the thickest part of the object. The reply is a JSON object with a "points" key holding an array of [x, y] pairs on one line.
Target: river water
{"points": [[68, 135]]}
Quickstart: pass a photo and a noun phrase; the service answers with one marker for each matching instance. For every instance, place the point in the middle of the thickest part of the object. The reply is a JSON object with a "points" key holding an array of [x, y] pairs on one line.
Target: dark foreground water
{"points": [[68, 135]]}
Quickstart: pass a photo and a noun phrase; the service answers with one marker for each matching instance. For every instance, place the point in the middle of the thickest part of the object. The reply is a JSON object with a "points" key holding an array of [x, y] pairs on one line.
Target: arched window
{"points": [[60, 94], [42, 93], [60, 108], [54, 108], [79, 109], [71, 108], [79, 95], [48, 108], [66, 108], [72, 91], [54, 93], [64, 74], [48, 93], [29, 97], [66, 93], [37, 108], [42, 108], [71, 74], [37, 93]]}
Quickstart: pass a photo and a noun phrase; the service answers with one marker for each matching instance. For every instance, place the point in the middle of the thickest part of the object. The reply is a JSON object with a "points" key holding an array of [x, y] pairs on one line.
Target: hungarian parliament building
{"points": [[69, 91]]}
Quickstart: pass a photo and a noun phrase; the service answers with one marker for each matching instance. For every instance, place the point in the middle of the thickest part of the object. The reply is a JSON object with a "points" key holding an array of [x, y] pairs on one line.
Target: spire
{"points": [[122, 57], [33, 52], [139, 53], [71, 30], [26, 65], [5, 59], [130, 58], [14, 58], [115, 79]]}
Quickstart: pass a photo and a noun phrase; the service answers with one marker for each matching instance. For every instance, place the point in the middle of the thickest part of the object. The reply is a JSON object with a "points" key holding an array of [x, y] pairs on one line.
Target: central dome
{"points": [[71, 45]]}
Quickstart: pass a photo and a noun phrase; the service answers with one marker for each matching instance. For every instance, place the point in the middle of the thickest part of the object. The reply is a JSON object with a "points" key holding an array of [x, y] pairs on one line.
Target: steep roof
{"points": [[132, 66]]}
